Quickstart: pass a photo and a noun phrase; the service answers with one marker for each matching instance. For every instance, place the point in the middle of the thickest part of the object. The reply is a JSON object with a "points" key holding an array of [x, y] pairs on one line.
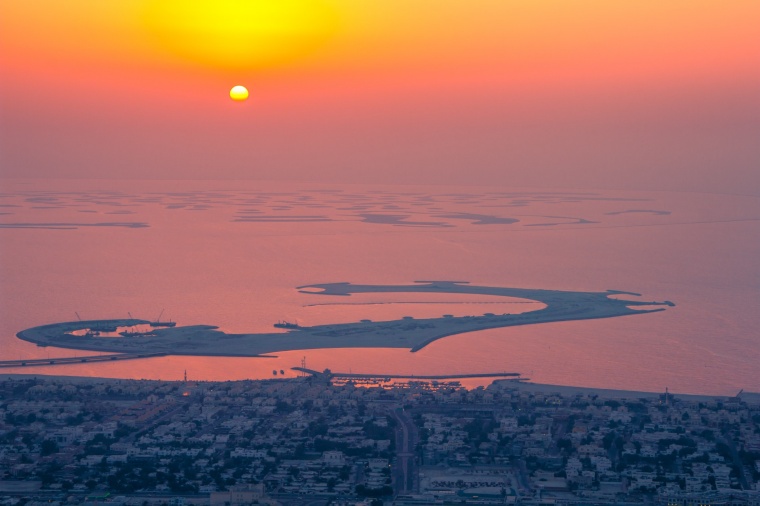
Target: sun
{"points": [[239, 93], [240, 34]]}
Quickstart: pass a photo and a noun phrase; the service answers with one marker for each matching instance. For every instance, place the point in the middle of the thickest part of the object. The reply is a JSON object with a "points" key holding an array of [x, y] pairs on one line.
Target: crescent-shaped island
{"points": [[408, 332]]}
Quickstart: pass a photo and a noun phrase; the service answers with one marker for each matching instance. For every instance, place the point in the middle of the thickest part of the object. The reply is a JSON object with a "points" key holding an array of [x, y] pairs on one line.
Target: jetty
{"points": [[327, 374]]}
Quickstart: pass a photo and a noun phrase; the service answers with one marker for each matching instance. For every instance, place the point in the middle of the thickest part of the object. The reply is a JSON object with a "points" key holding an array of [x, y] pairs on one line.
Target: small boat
{"points": [[136, 334], [163, 324], [287, 325]]}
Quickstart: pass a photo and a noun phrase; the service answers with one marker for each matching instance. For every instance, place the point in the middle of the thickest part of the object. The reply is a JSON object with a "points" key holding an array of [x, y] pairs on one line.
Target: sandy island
{"points": [[408, 332]]}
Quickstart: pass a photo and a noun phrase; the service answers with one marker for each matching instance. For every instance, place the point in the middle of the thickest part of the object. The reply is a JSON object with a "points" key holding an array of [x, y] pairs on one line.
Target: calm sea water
{"points": [[232, 254]]}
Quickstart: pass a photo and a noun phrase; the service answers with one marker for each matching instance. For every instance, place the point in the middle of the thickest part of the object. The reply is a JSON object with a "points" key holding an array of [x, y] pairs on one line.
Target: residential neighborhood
{"points": [[317, 440]]}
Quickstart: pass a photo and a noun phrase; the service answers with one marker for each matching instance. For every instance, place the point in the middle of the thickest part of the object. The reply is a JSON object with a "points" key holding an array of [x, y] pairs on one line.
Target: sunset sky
{"points": [[646, 94]]}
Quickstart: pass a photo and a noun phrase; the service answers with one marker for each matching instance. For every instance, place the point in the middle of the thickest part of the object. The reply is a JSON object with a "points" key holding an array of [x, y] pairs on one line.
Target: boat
{"points": [[159, 323], [136, 334], [163, 324], [287, 325]]}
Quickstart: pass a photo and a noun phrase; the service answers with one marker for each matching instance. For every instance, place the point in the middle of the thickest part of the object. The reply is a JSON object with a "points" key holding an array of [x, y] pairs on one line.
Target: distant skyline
{"points": [[633, 95]]}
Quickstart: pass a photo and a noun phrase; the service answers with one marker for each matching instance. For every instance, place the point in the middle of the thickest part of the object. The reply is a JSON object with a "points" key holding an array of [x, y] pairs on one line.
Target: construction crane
{"points": [[78, 318]]}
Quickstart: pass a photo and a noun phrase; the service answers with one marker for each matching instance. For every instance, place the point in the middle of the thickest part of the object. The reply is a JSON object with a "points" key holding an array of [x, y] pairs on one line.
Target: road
{"points": [[405, 469], [32, 362], [736, 461]]}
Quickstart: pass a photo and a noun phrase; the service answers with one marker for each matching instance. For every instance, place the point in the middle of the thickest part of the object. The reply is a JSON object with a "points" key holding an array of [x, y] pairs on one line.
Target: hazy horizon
{"points": [[644, 96]]}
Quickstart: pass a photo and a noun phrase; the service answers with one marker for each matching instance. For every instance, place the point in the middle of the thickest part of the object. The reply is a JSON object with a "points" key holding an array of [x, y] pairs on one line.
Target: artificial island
{"points": [[408, 332]]}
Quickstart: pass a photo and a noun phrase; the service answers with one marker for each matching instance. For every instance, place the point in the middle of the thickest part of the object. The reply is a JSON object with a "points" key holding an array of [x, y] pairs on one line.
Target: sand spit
{"points": [[411, 333]]}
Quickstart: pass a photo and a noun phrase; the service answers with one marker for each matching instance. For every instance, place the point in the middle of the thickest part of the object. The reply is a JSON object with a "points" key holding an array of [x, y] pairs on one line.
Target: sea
{"points": [[233, 254]]}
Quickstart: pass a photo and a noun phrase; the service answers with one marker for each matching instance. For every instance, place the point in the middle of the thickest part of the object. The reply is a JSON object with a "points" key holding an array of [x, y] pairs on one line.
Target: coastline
{"points": [[607, 393], [563, 390]]}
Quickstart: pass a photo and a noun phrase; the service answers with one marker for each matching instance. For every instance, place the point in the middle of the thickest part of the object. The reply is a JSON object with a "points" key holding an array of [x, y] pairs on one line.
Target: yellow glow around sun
{"points": [[239, 93], [240, 34]]}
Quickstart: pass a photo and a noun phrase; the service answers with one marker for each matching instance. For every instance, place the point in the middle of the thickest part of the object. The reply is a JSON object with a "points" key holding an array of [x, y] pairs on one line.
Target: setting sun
{"points": [[240, 34], [239, 93]]}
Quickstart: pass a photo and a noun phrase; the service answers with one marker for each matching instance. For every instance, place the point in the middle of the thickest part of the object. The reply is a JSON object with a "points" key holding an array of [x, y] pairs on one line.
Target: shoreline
{"points": [[545, 388], [608, 393]]}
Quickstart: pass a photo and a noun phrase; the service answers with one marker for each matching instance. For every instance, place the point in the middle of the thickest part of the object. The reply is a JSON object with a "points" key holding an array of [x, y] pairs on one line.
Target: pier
{"points": [[342, 375]]}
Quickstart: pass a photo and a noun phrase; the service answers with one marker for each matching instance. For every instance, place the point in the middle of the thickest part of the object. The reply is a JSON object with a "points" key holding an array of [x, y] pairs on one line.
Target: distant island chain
{"points": [[120, 336]]}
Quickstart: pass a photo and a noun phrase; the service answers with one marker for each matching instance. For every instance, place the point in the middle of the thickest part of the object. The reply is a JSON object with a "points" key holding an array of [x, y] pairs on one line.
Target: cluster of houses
{"points": [[126, 437], [282, 441], [579, 445]]}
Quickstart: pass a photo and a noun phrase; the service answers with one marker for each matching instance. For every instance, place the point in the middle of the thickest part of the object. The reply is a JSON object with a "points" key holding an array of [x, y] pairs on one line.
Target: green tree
{"points": [[48, 447]]}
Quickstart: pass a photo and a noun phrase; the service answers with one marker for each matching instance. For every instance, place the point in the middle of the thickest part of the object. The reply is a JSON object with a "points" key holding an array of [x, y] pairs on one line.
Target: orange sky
{"points": [[644, 94]]}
